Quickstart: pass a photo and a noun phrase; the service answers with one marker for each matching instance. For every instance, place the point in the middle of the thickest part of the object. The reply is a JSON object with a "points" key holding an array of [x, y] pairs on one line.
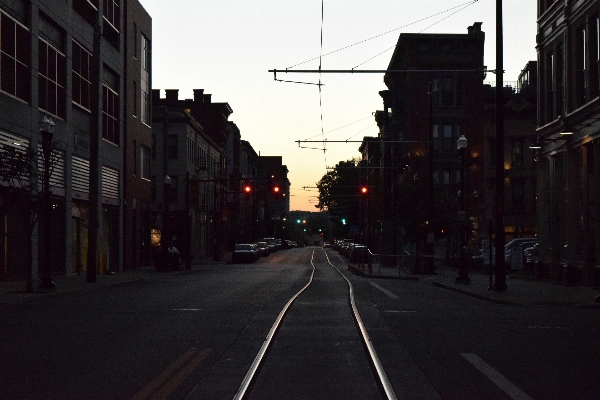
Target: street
{"points": [[194, 334]]}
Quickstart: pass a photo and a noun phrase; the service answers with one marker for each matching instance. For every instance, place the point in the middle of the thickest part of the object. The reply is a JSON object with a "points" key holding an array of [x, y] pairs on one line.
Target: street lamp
{"points": [[463, 268], [164, 237], [47, 131]]}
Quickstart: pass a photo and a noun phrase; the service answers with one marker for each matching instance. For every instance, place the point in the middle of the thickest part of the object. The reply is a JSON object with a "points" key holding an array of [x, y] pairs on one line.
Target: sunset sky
{"points": [[226, 47]]}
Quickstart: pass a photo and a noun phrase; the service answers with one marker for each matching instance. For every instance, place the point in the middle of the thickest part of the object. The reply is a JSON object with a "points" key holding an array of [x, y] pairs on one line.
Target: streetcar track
{"points": [[378, 372]]}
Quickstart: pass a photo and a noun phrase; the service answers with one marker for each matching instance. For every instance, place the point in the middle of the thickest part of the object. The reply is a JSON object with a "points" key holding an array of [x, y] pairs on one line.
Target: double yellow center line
{"points": [[168, 380]]}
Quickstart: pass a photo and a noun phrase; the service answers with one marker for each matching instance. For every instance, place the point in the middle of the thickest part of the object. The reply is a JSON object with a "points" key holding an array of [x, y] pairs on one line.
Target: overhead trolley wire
{"points": [[320, 94], [385, 33], [340, 127], [463, 6]]}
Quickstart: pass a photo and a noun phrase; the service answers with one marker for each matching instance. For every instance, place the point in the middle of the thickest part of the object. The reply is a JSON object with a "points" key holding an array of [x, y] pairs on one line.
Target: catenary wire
{"points": [[421, 31], [320, 90], [340, 127], [382, 34]]}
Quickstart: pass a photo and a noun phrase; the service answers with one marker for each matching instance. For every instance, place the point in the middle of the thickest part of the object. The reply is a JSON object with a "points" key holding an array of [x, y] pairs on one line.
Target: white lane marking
{"points": [[399, 311], [384, 290], [500, 380]]}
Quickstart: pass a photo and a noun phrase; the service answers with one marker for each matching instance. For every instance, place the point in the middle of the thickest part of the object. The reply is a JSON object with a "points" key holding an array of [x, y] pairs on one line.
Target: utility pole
{"points": [[500, 282], [94, 174]]}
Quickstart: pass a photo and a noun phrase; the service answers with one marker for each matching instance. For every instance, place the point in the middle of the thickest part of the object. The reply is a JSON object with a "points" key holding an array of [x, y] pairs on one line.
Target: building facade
{"points": [[137, 136], [252, 204], [277, 194], [520, 203], [425, 113], [189, 175], [568, 130], [65, 61]]}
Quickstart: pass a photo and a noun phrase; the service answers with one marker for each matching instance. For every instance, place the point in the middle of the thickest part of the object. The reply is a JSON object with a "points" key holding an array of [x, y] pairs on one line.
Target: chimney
{"points": [[172, 95], [475, 29], [198, 95], [207, 98], [155, 96]]}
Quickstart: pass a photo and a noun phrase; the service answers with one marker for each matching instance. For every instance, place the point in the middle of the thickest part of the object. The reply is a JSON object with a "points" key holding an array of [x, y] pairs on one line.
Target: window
{"points": [[154, 147], [517, 153], [15, 60], [581, 66], [492, 154], [153, 187], [111, 12], [518, 191], [110, 115], [460, 90], [551, 79], [145, 81], [172, 148], [594, 82], [145, 162], [445, 136], [81, 76], [174, 188], [135, 166], [559, 80], [448, 91], [446, 177], [134, 98], [135, 39], [51, 79]]}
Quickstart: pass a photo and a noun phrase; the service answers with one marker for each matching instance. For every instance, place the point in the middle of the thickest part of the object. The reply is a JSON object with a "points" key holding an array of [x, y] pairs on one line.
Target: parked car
{"points": [[358, 253], [519, 242], [263, 248], [344, 245], [245, 252], [271, 243], [531, 255], [350, 249]]}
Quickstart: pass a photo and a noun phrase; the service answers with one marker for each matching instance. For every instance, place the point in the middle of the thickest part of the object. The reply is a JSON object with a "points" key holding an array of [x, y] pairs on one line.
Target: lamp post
{"points": [[463, 268], [47, 131], [430, 241], [164, 238]]}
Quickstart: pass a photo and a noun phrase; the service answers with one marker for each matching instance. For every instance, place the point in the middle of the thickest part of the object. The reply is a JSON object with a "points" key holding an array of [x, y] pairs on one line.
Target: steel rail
{"points": [[383, 379], [265, 346], [385, 383]]}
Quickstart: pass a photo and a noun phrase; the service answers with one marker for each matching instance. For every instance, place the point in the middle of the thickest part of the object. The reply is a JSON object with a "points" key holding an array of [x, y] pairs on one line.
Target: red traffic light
{"points": [[364, 190], [247, 189]]}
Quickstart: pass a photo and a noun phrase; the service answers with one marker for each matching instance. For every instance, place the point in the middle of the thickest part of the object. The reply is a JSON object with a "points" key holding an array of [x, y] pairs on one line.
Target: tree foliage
{"points": [[339, 190], [20, 176]]}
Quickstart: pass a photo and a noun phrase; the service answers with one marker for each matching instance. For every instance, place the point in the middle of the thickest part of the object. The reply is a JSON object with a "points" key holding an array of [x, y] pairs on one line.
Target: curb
{"points": [[476, 295], [507, 302], [359, 272]]}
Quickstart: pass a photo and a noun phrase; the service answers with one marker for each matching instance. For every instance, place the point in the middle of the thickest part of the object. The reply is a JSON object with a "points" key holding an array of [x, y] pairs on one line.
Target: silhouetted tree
{"points": [[20, 179]]}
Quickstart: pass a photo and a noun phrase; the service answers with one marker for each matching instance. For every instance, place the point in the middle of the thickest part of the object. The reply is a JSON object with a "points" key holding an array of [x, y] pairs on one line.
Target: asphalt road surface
{"points": [[194, 335]]}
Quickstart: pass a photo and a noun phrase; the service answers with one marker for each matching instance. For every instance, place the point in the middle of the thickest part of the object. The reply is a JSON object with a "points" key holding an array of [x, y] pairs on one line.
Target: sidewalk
{"points": [[520, 291], [13, 292]]}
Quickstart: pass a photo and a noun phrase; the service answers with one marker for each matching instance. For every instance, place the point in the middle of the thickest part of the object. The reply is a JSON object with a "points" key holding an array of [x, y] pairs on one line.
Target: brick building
{"points": [[424, 115], [190, 138], [569, 134]]}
